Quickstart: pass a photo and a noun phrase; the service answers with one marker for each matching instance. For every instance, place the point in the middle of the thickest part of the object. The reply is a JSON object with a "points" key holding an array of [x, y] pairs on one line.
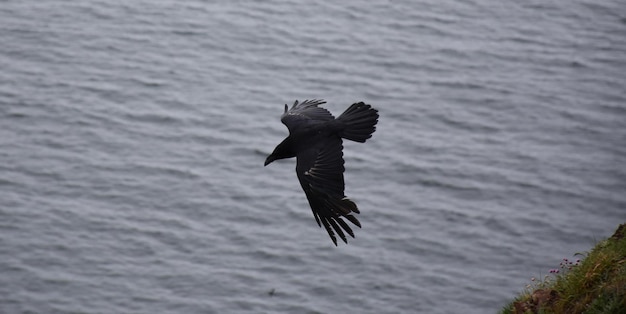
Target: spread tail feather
{"points": [[360, 122]]}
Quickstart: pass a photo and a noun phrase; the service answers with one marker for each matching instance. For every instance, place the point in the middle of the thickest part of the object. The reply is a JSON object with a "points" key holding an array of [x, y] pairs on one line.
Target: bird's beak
{"points": [[269, 160]]}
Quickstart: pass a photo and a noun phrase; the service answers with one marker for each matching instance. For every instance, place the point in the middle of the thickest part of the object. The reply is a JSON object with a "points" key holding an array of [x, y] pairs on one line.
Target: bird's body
{"points": [[315, 139]]}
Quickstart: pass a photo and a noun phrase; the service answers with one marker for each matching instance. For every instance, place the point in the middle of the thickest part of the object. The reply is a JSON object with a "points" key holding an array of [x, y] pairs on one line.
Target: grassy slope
{"points": [[595, 285]]}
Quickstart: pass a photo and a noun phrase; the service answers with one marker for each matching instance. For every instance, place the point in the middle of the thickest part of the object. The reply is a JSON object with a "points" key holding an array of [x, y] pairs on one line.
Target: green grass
{"points": [[595, 284]]}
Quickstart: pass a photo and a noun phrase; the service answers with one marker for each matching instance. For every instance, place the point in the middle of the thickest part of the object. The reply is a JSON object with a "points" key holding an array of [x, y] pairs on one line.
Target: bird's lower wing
{"points": [[320, 171]]}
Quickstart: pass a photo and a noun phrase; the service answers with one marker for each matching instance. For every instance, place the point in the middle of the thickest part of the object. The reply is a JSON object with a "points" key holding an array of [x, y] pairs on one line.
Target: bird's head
{"points": [[269, 159], [283, 150]]}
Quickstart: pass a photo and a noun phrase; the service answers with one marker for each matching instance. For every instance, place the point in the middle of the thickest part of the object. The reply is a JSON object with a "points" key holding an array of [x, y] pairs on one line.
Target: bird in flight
{"points": [[315, 139]]}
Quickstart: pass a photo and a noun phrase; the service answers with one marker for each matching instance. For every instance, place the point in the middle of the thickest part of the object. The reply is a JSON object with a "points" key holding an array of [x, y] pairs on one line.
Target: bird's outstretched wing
{"points": [[305, 113], [320, 171]]}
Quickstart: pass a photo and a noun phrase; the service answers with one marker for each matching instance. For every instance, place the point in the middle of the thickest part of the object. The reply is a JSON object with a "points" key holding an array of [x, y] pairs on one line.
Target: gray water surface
{"points": [[133, 135]]}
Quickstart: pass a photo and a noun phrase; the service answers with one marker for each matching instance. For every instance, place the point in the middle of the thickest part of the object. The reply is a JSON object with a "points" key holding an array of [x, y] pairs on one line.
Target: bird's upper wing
{"points": [[320, 171], [304, 113]]}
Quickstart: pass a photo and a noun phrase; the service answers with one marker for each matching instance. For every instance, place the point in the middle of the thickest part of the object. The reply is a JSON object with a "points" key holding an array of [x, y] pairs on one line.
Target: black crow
{"points": [[315, 139]]}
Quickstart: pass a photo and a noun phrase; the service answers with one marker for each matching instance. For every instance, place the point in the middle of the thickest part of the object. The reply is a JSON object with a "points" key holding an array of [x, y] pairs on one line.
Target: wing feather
{"points": [[305, 113], [320, 172]]}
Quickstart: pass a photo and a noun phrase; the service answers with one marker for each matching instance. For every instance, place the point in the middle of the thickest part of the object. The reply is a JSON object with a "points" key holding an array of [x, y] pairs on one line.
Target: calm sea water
{"points": [[133, 135]]}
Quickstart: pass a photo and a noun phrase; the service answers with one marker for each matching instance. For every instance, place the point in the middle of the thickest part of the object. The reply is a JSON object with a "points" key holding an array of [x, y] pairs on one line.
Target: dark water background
{"points": [[133, 135]]}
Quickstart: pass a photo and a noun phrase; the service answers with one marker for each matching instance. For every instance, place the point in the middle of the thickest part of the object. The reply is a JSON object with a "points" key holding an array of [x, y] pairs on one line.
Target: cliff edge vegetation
{"points": [[593, 282]]}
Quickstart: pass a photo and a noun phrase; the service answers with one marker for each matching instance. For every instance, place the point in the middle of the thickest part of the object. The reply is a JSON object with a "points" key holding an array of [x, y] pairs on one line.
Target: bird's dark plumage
{"points": [[315, 139]]}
